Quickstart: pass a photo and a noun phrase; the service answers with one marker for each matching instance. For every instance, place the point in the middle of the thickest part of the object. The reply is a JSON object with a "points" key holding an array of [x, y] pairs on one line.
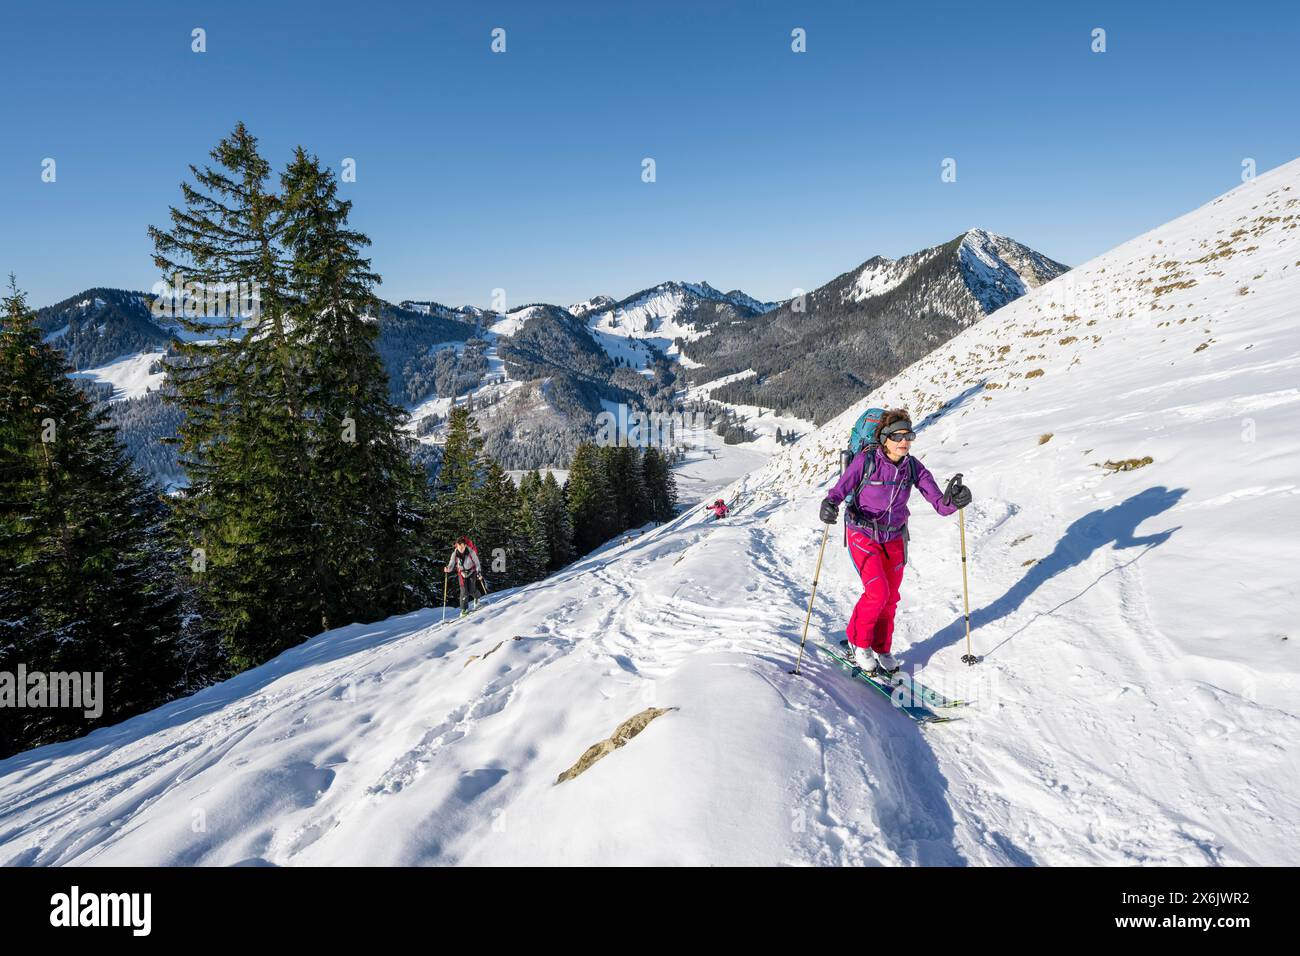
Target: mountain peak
{"points": [[594, 304], [976, 234], [998, 269]]}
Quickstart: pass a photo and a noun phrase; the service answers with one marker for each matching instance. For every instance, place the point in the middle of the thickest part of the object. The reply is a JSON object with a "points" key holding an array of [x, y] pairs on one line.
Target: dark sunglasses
{"points": [[902, 436]]}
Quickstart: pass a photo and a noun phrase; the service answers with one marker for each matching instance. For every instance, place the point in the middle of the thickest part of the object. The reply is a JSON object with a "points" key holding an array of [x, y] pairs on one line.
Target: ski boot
{"points": [[886, 667]]}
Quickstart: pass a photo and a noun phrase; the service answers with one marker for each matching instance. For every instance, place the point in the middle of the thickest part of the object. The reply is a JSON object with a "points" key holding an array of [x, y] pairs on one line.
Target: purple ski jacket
{"points": [[884, 497]]}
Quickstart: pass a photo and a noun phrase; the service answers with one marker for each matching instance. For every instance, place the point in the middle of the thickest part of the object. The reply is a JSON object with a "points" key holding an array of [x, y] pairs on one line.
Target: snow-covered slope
{"points": [[877, 276], [1137, 701], [131, 377], [463, 313], [511, 322], [762, 421], [672, 310]]}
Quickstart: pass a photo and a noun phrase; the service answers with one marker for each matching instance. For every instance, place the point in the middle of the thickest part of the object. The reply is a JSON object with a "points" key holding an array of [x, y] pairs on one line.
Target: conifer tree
{"points": [[631, 470], [530, 484], [245, 513], [661, 486], [532, 539], [591, 502], [554, 513], [369, 499], [88, 576], [499, 527], [303, 506], [614, 465], [532, 551], [457, 507]]}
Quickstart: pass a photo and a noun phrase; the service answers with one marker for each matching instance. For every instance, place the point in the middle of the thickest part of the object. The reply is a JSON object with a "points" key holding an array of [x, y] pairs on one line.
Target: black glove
{"points": [[830, 512], [957, 494]]}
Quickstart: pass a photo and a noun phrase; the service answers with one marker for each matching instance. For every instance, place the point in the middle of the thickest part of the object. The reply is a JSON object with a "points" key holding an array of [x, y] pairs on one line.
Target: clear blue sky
{"points": [[522, 170]]}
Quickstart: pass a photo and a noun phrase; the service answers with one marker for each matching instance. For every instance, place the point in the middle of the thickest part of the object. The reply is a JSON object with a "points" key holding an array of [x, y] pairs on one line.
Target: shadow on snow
{"points": [[1116, 526]]}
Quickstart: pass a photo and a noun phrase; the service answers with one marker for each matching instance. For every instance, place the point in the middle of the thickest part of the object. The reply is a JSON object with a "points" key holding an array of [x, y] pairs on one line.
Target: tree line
{"points": [[526, 532]]}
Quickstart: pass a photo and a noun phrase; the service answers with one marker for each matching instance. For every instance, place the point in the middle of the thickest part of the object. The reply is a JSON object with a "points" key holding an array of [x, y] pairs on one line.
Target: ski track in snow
{"points": [[1135, 704]]}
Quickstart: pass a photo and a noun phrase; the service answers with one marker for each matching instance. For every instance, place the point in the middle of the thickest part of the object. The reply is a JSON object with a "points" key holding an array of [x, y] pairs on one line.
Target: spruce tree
{"points": [[246, 512], [591, 501], [530, 484], [637, 495], [499, 509], [623, 472], [88, 576], [531, 548], [304, 506], [532, 534], [554, 513], [661, 486], [370, 500], [614, 466], [458, 510]]}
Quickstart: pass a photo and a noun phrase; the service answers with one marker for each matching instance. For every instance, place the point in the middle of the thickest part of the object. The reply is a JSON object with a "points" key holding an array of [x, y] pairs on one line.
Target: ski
{"points": [[899, 696], [919, 692]]}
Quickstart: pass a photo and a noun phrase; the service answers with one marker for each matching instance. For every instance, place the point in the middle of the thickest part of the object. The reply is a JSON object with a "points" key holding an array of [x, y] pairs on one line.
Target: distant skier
{"points": [[464, 559], [719, 509], [876, 525]]}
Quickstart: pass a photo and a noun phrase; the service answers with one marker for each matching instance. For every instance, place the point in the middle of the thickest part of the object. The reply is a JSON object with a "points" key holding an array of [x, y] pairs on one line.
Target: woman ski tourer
{"points": [[719, 509], [464, 560], [882, 474]]}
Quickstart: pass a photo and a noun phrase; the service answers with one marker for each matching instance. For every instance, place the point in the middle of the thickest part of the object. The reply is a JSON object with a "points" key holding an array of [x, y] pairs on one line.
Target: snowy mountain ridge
{"points": [[816, 353], [667, 312], [112, 339], [996, 270]]}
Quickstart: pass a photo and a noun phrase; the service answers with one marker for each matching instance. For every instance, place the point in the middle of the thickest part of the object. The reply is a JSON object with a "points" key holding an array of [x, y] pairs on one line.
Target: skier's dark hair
{"points": [[887, 421]]}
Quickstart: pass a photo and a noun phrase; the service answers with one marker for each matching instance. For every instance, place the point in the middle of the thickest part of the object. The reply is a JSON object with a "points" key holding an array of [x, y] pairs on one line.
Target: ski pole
{"points": [[445, 575], [483, 584], [969, 657], [816, 574]]}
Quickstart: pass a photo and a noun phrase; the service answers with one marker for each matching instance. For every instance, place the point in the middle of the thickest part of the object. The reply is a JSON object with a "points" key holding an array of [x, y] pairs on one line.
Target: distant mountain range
{"points": [[537, 375], [814, 355]]}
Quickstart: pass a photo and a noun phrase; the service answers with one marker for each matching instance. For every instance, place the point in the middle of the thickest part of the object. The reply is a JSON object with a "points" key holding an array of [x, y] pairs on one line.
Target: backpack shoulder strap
{"points": [[868, 469]]}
